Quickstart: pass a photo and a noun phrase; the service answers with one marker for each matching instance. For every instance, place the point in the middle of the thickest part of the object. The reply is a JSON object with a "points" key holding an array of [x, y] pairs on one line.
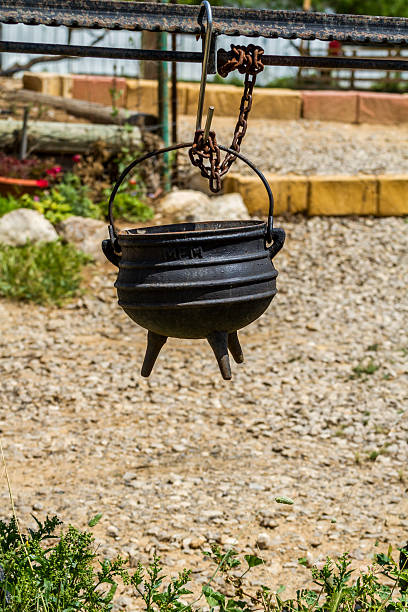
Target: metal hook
{"points": [[207, 44]]}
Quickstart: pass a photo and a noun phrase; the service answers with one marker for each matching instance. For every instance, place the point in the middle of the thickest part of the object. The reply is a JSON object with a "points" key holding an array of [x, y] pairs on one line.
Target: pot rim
{"points": [[196, 229]]}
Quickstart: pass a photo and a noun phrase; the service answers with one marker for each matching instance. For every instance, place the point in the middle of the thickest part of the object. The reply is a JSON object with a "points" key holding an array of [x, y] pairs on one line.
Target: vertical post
{"points": [[23, 144], [163, 98], [1, 55], [174, 106]]}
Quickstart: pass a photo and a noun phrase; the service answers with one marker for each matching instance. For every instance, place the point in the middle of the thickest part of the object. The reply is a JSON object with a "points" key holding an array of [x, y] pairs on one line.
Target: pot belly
{"points": [[184, 308]]}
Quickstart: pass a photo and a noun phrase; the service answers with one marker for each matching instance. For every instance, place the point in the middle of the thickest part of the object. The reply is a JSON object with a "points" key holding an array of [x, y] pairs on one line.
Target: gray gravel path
{"points": [[184, 457], [314, 147]]}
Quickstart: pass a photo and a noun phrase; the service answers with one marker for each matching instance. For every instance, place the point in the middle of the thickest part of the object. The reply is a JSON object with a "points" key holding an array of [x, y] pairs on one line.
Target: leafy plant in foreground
{"points": [[44, 273], [42, 571]]}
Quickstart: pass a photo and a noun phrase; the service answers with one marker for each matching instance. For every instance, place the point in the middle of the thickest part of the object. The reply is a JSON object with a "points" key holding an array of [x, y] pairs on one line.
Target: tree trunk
{"points": [[54, 137], [97, 113]]}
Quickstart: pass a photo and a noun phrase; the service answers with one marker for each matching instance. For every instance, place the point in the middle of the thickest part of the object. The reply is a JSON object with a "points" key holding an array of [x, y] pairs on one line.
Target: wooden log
{"points": [[97, 113], [56, 137]]}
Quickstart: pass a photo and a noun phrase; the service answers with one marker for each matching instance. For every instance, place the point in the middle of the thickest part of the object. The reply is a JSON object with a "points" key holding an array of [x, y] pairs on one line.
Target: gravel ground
{"points": [[185, 457], [314, 147]]}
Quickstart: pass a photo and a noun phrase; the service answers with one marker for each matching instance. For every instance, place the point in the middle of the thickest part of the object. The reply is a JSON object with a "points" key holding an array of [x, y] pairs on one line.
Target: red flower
{"points": [[76, 158], [132, 181], [42, 183], [54, 171]]}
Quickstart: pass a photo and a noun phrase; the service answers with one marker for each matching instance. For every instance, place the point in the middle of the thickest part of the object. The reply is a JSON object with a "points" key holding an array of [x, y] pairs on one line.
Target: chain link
{"points": [[248, 61]]}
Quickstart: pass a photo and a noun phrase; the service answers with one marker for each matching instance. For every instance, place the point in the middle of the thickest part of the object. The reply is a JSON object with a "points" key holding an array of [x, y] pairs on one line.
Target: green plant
{"points": [[365, 368], [132, 208], [43, 273], [333, 590], [69, 197], [130, 200], [286, 82], [8, 203], [51, 204], [75, 194], [42, 571], [390, 87]]}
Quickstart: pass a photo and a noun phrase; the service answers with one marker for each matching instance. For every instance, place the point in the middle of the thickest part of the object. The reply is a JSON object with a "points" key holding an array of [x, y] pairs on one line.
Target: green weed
{"points": [[46, 273], [368, 367], [44, 572]]}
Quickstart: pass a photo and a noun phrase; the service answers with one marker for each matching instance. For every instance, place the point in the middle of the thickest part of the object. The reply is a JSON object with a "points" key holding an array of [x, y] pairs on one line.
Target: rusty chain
{"points": [[247, 60]]}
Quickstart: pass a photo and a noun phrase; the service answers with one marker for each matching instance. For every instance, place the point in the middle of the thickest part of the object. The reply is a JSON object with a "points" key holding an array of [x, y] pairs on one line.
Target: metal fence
{"points": [[185, 42]]}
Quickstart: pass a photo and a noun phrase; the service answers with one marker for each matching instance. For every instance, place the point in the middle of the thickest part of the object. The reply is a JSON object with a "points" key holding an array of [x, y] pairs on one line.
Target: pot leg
{"points": [[235, 347], [155, 342], [219, 344]]}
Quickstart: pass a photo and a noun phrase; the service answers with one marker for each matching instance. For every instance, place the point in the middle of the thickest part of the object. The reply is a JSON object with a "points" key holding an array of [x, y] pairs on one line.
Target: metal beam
{"points": [[114, 15], [398, 64], [7, 46], [339, 63]]}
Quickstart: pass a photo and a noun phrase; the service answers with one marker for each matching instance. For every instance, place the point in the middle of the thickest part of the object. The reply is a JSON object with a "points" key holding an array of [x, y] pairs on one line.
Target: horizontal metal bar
{"points": [[334, 63], [109, 52], [193, 57], [120, 15]]}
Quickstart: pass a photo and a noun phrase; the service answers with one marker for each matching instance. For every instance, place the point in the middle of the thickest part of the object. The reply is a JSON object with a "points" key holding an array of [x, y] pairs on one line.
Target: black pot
{"points": [[195, 280]]}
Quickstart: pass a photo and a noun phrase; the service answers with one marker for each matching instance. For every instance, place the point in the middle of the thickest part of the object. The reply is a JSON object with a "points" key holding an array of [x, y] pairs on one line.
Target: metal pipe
{"points": [[208, 123], [327, 62], [196, 57], [163, 55], [163, 97], [207, 7], [174, 108]]}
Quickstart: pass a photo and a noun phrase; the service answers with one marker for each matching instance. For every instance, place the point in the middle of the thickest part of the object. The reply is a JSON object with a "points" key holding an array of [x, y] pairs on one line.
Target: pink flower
{"points": [[36, 199], [54, 171], [42, 183], [76, 158]]}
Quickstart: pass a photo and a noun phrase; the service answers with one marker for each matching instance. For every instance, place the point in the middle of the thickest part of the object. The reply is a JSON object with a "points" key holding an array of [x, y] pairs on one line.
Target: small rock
{"points": [[112, 531], [25, 225], [85, 233], [197, 542], [263, 541], [195, 206]]}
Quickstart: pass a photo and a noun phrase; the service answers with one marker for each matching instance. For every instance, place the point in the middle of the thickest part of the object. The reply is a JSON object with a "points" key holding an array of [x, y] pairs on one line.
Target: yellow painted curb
{"points": [[393, 195], [324, 195], [290, 192], [343, 195]]}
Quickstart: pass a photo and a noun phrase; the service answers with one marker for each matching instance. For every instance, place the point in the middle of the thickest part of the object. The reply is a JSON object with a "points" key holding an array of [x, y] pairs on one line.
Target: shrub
{"points": [[31, 168], [43, 273], [130, 207], [44, 572], [51, 204], [130, 200], [75, 194], [9, 203]]}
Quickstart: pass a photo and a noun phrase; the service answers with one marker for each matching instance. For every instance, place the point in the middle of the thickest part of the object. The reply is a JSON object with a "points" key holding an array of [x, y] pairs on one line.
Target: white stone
{"points": [[112, 531], [187, 205], [85, 233], [263, 541], [25, 225]]}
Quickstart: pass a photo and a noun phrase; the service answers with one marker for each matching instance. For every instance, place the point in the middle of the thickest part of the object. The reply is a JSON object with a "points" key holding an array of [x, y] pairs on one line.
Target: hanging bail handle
{"points": [[273, 235], [205, 8]]}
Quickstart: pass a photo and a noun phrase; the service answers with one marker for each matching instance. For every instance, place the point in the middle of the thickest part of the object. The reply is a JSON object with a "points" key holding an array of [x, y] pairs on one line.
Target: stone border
{"points": [[283, 104], [324, 195]]}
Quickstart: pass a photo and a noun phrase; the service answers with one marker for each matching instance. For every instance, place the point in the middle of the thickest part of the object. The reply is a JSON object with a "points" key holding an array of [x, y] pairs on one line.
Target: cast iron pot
{"points": [[195, 280]]}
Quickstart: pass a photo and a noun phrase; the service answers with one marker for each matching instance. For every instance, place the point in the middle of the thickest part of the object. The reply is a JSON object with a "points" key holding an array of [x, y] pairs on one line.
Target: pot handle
{"points": [[273, 235]]}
